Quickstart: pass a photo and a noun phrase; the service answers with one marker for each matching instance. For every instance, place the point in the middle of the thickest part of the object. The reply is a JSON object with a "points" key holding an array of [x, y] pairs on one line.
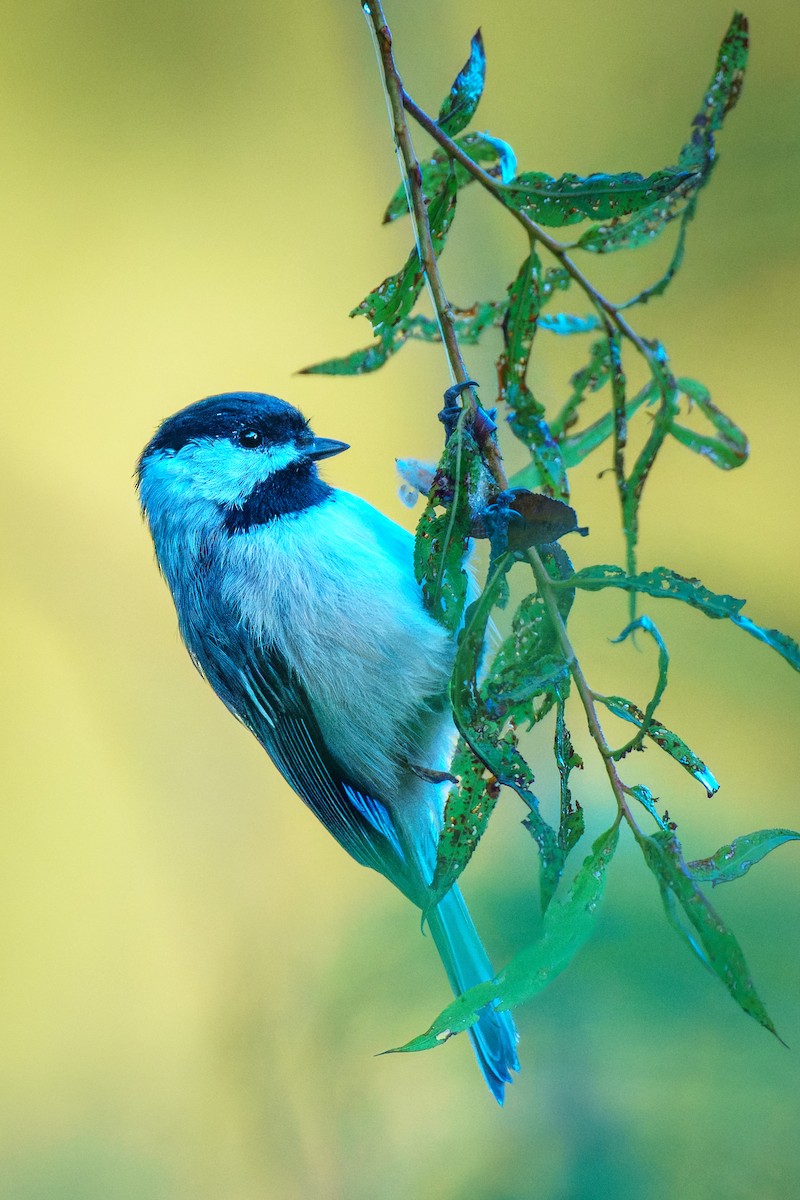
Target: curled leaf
{"points": [[705, 931], [492, 154], [733, 861], [729, 448], [673, 745], [667, 584]]}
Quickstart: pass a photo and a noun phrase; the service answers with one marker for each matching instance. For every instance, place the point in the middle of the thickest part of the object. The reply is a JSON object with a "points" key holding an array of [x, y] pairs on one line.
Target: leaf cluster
{"points": [[534, 672]]}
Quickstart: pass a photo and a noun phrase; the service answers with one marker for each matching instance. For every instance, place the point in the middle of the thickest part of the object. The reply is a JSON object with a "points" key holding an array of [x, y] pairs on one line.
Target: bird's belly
{"points": [[344, 610]]}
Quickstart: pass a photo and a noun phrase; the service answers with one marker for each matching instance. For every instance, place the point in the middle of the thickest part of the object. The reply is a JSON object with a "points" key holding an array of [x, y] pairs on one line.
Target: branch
{"points": [[534, 231]]}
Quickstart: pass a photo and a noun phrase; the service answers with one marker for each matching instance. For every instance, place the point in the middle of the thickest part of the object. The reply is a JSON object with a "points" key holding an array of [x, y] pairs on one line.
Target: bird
{"points": [[297, 602]]}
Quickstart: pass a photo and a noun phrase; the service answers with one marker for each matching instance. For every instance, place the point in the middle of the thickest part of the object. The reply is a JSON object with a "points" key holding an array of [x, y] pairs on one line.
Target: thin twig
{"points": [[399, 103], [545, 589]]}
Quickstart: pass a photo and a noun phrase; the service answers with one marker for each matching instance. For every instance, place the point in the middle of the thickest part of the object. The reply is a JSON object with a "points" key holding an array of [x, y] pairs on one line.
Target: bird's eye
{"points": [[250, 438]]}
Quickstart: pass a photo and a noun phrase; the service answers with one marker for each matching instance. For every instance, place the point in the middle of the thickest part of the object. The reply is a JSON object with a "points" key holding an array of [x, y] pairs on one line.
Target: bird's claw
{"points": [[497, 517], [452, 409]]}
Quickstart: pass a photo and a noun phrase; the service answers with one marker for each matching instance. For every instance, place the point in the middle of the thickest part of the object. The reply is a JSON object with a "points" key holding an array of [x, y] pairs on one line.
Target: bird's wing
{"points": [[262, 691]]}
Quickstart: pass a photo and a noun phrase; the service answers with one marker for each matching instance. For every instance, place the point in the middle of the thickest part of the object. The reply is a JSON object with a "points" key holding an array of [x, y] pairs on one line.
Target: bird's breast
{"points": [[332, 589]]}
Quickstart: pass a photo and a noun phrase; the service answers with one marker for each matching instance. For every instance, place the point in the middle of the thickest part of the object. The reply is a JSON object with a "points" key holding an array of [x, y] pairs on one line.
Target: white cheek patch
{"points": [[224, 473]]}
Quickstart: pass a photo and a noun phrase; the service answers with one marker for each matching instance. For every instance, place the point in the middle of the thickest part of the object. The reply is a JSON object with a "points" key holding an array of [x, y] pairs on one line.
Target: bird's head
{"points": [[249, 456]]}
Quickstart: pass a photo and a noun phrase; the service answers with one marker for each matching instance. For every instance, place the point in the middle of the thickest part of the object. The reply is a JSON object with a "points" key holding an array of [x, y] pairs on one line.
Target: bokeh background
{"points": [[195, 979]]}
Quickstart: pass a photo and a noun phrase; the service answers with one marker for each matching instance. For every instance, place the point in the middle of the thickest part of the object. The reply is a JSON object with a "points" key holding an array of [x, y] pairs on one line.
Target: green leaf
{"points": [[486, 755], [577, 446], [469, 323], [467, 810], [729, 449], [566, 927], [648, 801], [667, 584], [661, 285], [360, 362], [573, 198], [393, 299], [586, 381], [647, 626], [630, 489], [571, 823], [442, 536], [696, 158], [646, 225], [493, 154], [728, 78], [459, 107], [526, 416], [733, 861], [706, 932], [673, 745]]}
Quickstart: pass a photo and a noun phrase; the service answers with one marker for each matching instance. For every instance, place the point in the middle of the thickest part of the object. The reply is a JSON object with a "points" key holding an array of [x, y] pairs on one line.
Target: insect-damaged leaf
{"points": [[459, 107], [696, 158], [663, 737], [729, 448], [733, 861], [571, 824], [647, 626], [393, 299], [704, 930], [573, 198], [360, 362], [467, 810], [566, 927], [492, 154], [667, 584], [442, 535], [526, 414]]}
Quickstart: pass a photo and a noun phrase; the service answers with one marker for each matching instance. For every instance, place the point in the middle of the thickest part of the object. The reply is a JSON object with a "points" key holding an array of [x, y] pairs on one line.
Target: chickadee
{"points": [[298, 604]]}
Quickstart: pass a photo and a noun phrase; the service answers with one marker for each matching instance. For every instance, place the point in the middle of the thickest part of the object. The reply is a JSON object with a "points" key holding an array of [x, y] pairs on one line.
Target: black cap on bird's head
{"points": [[252, 454], [251, 419]]}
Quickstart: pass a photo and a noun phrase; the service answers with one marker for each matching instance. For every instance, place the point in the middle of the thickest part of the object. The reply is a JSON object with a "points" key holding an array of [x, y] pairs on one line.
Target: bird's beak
{"points": [[325, 448]]}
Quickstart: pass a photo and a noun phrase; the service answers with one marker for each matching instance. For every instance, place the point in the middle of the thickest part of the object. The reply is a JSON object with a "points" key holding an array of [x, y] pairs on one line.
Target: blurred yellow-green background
{"points": [[195, 979]]}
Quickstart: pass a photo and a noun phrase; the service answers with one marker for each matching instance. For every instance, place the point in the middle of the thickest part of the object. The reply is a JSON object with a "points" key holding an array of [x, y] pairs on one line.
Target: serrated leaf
{"points": [[566, 927], [729, 449], [661, 285], [728, 79], [733, 861], [584, 382], [469, 323], [646, 626], [648, 801], [576, 447], [526, 414], [666, 584], [572, 198], [360, 362], [696, 158], [571, 823], [393, 299], [630, 489], [467, 810], [494, 155], [442, 536], [460, 105], [645, 226], [673, 745], [708, 934]]}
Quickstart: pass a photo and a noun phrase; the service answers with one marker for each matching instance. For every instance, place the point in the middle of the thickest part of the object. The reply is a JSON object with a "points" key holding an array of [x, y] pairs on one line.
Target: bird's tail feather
{"points": [[494, 1037]]}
